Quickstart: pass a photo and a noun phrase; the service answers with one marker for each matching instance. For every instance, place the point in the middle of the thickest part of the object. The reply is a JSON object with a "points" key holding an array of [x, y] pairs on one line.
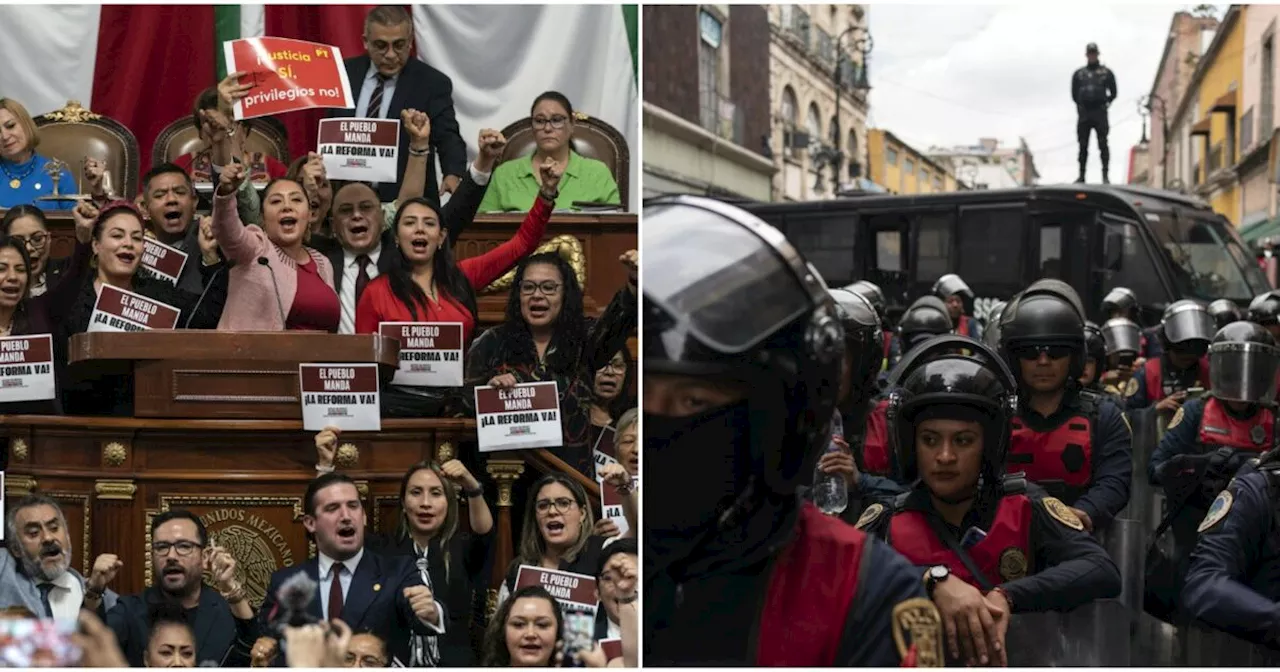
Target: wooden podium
{"points": [[222, 374]]}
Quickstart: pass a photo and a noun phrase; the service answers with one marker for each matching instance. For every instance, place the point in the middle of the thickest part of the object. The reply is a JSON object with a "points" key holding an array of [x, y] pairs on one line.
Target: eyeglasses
{"points": [[34, 241], [365, 661], [557, 122], [562, 504], [379, 46], [1033, 352], [548, 287], [184, 548], [615, 365]]}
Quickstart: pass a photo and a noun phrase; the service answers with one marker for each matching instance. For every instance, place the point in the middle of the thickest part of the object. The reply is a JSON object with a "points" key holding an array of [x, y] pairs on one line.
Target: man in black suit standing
{"points": [[368, 591], [386, 81], [221, 620]]}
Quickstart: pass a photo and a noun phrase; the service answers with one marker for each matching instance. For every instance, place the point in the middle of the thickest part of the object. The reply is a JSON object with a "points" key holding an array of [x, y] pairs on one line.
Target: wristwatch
{"points": [[935, 575]]}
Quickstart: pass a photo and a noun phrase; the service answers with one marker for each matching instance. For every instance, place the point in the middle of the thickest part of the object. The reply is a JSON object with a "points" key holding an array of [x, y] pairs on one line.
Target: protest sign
{"points": [[575, 592], [345, 396], [362, 150], [287, 75], [122, 310], [525, 416], [26, 368], [612, 648], [163, 261], [430, 352]]}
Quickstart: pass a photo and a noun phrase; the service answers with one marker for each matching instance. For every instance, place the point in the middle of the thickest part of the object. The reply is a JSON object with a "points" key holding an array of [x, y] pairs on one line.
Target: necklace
{"points": [[16, 181]]}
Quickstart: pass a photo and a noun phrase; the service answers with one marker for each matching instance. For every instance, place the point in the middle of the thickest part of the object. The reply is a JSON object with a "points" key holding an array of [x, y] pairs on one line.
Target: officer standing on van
{"points": [[1073, 442], [1093, 87], [956, 293], [737, 405]]}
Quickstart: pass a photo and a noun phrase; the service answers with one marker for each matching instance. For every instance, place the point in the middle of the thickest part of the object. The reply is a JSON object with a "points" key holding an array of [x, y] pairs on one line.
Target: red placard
{"points": [[165, 261], [121, 310], [574, 591], [287, 75]]}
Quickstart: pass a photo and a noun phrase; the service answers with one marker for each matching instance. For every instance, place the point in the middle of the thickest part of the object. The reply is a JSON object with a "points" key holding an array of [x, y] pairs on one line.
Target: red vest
{"points": [[1155, 378], [888, 343], [965, 328], [1064, 454], [911, 535], [875, 444], [1218, 428], [809, 595]]}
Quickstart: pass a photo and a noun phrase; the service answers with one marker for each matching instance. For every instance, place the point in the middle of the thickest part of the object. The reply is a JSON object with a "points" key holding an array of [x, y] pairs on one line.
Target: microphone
{"points": [[208, 285], [279, 304]]}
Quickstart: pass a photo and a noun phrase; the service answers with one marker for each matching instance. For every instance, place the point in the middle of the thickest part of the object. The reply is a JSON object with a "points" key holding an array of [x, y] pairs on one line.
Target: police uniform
{"points": [[1093, 87], [1030, 545], [951, 285], [1185, 326], [738, 571]]}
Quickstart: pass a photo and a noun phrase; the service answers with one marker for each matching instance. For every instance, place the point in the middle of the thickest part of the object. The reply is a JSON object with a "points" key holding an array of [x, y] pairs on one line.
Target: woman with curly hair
{"points": [[526, 631]]}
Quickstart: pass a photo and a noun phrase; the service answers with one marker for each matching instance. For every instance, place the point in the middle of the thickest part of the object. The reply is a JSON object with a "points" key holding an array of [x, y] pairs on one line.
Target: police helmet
{"points": [[725, 294], [951, 284], [991, 335], [1186, 325], [1123, 336], [871, 292], [936, 375], [863, 340], [1243, 362], [1120, 298], [1048, 313], [927, 317], [1224, 312], [1095, 348], [1265, 308]]}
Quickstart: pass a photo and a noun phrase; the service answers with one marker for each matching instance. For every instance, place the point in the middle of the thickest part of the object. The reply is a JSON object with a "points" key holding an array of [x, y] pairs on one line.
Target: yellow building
{"points": [[1206, 153], [899, 168]]}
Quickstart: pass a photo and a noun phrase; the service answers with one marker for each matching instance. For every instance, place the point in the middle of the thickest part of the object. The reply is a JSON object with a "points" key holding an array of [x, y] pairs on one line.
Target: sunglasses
{"points": [[1033, 352]]}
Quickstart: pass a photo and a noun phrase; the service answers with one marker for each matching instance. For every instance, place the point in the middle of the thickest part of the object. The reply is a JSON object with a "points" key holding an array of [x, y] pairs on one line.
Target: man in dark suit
{"points": [[386, 81], [222, 620], [368, 591], [364, 233]]}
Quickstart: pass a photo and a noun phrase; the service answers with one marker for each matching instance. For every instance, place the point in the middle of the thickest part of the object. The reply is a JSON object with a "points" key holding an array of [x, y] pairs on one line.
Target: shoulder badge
{"points": [[1062, 513], [869, 516], [1217, 511], [1177, 418], [1131, 387], [1013, 564], [917, 626], [1258, 434]]}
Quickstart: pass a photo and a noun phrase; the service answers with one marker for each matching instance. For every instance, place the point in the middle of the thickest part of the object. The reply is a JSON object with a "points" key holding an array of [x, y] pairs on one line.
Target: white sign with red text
{"points": [[430, 352], [26, 368], [122, 310], [525, 416], [342, 395], [576, 592], [164, 261]]}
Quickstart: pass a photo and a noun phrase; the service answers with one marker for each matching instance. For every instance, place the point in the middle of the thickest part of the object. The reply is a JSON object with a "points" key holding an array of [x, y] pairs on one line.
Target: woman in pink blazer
{"points": [[276, 282]]}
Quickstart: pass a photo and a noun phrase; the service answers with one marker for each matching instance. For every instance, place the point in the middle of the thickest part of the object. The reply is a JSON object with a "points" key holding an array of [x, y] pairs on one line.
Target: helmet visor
{"points": [[1122, 337], [1244, 372], [1189, 324]]}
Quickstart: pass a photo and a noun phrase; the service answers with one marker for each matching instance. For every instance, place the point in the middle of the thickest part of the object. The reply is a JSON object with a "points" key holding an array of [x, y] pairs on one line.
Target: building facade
{"points": [[707, 111], [901, 169], [988, 165], [816, 58], [1189, 36], [1258, 99]]}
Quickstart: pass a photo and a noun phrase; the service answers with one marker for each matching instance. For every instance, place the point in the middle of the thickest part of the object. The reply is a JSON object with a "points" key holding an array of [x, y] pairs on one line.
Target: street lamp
{"points": [[863, 45], [1150, 103]]}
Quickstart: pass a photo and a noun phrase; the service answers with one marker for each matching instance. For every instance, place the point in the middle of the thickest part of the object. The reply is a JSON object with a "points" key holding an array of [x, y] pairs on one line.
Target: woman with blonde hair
{"points": [[450, 559], [22, 171]]}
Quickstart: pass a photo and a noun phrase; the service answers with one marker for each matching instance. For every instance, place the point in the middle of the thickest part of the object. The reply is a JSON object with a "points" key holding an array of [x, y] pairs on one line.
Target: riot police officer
{"points": [[1093, 87], [994, 544], [957, 295], [1224, 312], [926, 318], [1183, 369], [1123, 302], [1072, 442], [1265, 310], [872, 292], [1095, 364], [1231, 583], [738, 400]]}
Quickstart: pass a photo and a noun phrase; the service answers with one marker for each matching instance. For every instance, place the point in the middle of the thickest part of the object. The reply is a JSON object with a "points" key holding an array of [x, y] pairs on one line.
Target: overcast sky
{"points": [[949, 75]]}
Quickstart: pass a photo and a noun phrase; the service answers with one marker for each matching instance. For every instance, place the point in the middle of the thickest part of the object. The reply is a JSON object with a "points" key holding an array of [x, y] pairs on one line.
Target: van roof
{"points": [[1128, 195]]}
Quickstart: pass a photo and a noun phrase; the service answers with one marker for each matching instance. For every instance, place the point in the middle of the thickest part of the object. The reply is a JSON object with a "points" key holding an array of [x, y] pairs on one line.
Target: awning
{"points": [[1226, 103], [1202, 127], [1256, 231]]}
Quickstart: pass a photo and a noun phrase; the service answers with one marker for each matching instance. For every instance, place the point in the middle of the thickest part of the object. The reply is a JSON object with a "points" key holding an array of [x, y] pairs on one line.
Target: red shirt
{"points": [[315, 306], [377, 303]]}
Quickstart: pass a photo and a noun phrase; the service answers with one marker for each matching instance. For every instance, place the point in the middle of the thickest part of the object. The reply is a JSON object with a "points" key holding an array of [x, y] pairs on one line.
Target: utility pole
{"points": [[863, 45]]}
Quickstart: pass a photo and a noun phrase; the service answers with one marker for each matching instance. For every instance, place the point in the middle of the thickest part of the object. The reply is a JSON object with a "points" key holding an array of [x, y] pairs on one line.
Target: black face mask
{"points": [[703, 461]]}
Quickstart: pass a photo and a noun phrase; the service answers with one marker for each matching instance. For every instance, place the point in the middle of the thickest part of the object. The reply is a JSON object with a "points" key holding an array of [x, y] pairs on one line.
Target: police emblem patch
{"points": [[869, 516], [1258, 434], [1062, 513], [1177, 419], [1013, 564], [917, 625], [1217, 511], [1131, 387]]}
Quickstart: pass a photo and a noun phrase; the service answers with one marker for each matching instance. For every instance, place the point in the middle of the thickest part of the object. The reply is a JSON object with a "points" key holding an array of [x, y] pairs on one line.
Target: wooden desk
{"points": [[604, 237]]}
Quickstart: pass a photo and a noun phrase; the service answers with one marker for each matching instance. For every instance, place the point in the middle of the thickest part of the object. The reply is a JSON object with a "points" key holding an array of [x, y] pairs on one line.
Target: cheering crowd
{"points": [[940, 491], [281, 247]]}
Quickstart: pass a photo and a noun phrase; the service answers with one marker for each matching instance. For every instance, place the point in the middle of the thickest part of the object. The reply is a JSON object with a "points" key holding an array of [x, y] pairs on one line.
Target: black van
{"points": [[1162, 245]]}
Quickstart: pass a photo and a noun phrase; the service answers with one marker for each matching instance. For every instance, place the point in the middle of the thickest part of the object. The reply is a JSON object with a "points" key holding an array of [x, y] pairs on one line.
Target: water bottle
{"points": [[830, 492]]}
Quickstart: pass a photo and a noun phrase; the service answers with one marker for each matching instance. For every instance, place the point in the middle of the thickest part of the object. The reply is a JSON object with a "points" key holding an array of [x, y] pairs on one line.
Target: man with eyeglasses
{"points": [[222, 620], [387, 81], [1070, 441]]}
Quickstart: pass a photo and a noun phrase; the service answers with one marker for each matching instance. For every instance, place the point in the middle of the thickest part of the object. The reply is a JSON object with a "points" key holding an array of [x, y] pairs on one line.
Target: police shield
{"points": [[1099, 634], [1035, 639], [1154, 641], [1203, 646]]}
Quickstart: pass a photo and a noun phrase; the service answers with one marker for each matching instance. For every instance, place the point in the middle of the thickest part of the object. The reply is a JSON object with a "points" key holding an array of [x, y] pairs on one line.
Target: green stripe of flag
{"points": [[226, 26], [631, 17]]}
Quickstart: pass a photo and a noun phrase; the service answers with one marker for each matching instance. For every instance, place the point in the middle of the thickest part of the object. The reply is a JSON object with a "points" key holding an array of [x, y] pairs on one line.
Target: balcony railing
{"points": [[799, 28], [719, 115]]}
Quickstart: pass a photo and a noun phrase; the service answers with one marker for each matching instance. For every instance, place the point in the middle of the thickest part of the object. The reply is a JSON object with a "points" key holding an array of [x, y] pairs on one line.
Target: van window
{"points": [[1050, 251], [889, 251], [1137, 271], [827, 242], [990, 248], [933, 247]]}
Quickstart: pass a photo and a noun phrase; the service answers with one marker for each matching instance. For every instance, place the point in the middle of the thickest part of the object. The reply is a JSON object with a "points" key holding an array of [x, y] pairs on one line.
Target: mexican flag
{"points": [[144, 65]]}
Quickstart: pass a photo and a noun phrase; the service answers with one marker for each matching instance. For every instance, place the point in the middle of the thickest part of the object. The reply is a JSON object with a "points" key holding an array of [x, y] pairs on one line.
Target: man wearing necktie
{"points": [[388, 81], [370, 592], [36, 573]]}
